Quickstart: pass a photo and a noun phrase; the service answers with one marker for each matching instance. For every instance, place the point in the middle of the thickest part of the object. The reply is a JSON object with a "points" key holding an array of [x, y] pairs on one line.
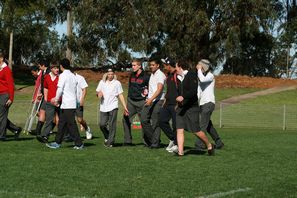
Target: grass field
{"points": [[254, 163], [261, 163]]}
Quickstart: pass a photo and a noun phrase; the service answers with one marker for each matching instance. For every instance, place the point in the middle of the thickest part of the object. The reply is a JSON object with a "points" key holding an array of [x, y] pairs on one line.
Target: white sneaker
{"points": [[173, 149], [89, 134], [171, 144]]}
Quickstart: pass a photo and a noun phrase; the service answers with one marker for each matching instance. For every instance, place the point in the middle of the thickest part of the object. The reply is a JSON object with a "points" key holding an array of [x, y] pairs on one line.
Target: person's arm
{"points": [[60, 89], [83, 96], [8, 75], [99, 92], [208, 78], [155, 95], [45, 93], [122, 99]]}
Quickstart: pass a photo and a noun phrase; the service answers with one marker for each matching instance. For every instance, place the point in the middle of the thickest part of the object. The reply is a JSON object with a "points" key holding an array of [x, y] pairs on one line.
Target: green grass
{"points": [[285, 97], [261, 160], [224, 93]]}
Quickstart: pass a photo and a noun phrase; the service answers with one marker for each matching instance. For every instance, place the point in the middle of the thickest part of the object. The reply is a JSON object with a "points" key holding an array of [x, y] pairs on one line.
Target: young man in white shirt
{"points": [[206, 100], [81, 95], [108, 91], [67, 88], [150, 112]]}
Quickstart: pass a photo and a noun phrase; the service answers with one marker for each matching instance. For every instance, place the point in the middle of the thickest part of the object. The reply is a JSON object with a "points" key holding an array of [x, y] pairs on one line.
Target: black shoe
{"points": [[219, 145], [42, 139], [32, 132], [154, 146], [128, 144], [17, 132], [211, 151]]}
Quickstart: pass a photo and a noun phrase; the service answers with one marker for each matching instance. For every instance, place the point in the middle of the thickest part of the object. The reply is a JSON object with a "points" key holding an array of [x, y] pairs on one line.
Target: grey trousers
{"points": [[150, 122], [3, 114], [134, 107], [50, 111], [108, 125], [206, 124]]}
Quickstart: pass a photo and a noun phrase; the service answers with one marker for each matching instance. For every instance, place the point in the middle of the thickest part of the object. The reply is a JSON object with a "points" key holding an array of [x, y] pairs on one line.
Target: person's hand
{"points": [[8, 103], [99, 94], [179, 99], [54, 102], [81, 102], [148, 102], [198, 66], [126, 111], [39, 96]]}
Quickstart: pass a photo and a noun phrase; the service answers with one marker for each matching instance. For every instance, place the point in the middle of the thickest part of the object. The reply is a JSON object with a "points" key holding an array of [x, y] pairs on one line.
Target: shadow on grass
{"points": [[11, 138], [195, 152], [85, 145]]}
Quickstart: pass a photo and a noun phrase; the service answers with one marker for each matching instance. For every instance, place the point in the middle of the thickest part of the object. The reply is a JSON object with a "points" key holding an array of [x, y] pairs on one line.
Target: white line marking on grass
{"points": [[30, 194], [222, 194]]}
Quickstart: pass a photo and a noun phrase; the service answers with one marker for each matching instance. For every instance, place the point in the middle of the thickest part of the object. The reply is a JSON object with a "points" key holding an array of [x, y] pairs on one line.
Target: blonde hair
{"points": [[104, 77]]}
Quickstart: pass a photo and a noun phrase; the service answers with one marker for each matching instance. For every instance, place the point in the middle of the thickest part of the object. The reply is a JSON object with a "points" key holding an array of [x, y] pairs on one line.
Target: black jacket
{"points": [[188, 90], [172, 84], [137, 84]]}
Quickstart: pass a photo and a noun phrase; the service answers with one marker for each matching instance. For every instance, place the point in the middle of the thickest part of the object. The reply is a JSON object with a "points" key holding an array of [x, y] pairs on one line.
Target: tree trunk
{"points": [[69, 33], [10, 50]]}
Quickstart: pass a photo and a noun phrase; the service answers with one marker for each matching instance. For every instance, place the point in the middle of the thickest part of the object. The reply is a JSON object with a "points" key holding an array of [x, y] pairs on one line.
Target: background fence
{"points": [[226, 115], [256, 116]]}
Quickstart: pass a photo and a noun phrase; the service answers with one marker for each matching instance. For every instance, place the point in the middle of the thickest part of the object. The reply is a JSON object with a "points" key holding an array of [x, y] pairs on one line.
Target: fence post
{"points": [[221, 109], [284, 118]]}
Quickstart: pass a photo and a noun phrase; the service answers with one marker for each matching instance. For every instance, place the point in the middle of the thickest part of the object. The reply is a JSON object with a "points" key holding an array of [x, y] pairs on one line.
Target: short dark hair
{"points": [[34, 68], [2, 55], [184, 64], [65, 63], [43, 62], [156, 60]]}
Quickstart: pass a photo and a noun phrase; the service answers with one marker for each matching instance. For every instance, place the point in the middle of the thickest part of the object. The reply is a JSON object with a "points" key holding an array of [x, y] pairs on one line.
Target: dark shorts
{"points": [[79, 112], [41, 106], [188, 120]]}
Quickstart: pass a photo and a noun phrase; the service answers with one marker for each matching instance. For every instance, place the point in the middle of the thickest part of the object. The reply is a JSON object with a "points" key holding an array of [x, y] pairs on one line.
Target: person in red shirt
{"points": [[51, 111], [6, 99]]}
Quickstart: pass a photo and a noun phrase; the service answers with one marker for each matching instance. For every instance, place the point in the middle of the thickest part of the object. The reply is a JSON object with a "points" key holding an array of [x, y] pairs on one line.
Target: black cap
{"points": [[168, 61]]}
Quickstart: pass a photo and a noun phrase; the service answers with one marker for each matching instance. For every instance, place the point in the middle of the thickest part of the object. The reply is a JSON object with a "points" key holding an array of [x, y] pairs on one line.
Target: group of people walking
{"points": [[181, 100]]}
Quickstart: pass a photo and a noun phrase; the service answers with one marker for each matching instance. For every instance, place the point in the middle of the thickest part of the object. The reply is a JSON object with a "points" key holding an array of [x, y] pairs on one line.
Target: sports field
{"points": [[254, 163]]}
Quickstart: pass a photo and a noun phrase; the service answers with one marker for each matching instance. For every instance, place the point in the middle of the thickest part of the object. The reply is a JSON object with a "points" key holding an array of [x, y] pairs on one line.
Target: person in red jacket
{"points": [[6, 99]]}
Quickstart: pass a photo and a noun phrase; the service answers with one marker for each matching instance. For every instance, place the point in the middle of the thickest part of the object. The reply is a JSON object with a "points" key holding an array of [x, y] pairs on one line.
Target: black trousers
{"points": [[67, 123], [3, 114], [167, 113]]}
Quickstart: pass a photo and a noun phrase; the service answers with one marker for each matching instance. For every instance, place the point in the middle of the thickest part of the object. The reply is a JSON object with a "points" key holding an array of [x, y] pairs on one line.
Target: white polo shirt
{"points": [[81, 84], [157, 77], [67, 86], [206, 88], [111, 90]]}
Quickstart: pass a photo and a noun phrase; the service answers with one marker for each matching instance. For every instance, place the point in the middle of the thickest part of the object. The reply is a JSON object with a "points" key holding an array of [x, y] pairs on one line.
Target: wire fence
{"points": [[256, 116], [228, 115]]}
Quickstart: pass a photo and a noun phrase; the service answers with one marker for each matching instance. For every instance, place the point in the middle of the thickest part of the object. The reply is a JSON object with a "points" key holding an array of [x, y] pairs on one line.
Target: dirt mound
{"points": [[222, 81], [233, 81]]}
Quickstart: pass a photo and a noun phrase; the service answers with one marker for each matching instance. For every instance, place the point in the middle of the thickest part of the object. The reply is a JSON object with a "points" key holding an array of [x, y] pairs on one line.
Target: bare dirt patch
{"points": [[222, 81]]}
